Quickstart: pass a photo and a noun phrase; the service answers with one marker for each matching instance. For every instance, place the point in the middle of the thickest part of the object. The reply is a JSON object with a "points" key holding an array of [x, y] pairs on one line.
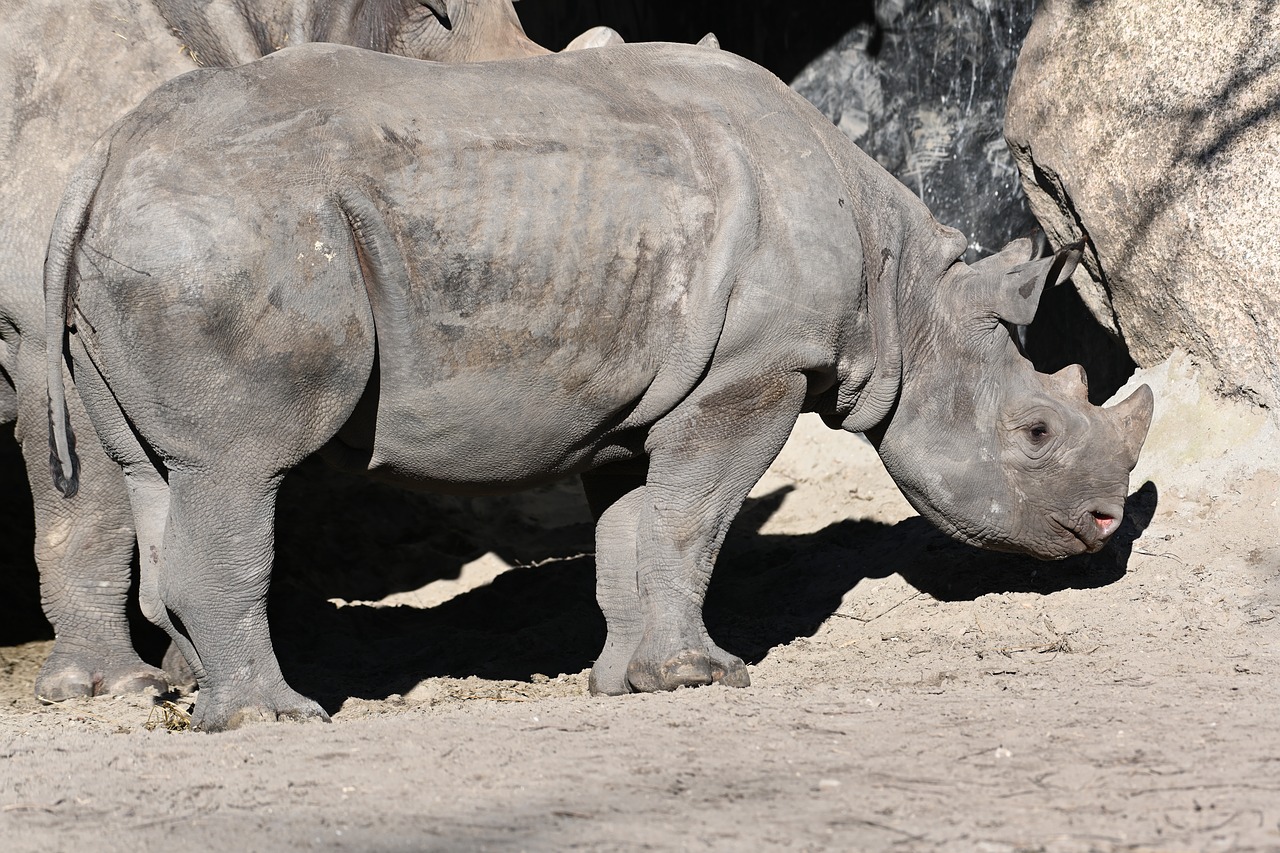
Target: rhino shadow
{"points": [[768, 590], [541, 616], [343, 537]]}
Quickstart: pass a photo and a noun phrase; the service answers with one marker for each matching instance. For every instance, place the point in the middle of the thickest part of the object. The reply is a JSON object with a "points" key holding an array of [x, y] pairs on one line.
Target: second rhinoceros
{"points": [[638, 265], [68, 70]]}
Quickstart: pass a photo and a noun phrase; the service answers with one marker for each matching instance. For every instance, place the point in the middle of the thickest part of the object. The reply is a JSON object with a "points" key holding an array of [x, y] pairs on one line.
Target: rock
{"points": [[1210, 470], [1153, 129], [922, 91], [1200, 446]]}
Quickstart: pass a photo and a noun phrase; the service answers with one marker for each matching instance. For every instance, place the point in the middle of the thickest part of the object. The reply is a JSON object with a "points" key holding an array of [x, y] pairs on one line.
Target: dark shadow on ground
{"points": [[541, 617]]}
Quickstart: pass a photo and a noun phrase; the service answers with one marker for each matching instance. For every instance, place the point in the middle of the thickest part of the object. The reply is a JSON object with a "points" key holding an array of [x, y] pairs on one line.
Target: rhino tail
{"points": [[59, 302]]}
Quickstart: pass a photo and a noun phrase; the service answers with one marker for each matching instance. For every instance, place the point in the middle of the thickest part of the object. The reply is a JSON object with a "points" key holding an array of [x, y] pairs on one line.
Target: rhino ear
{"points": [[1016, 291], [439, 8]]}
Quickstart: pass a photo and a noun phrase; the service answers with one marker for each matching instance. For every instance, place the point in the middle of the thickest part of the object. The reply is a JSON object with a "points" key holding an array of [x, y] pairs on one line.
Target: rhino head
{"points": [[473, 31], [483, 30], [991, 451]]}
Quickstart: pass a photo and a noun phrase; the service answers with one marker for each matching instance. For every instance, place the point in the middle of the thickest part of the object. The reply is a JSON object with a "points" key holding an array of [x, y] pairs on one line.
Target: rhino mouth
{"points": [[1092, 530]]}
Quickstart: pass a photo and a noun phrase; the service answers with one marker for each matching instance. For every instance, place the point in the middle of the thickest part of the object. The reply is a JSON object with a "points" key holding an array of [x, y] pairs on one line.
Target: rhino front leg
{"points": [[704, 458], [213, 579], [84, 551]]}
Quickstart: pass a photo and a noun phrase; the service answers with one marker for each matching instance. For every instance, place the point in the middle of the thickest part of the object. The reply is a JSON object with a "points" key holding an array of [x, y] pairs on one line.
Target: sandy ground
{"points": [[907, 693]]}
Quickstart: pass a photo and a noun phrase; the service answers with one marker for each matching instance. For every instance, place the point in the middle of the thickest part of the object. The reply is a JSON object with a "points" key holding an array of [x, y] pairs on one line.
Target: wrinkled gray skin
{"points": [[638, 265], [68, 70]]}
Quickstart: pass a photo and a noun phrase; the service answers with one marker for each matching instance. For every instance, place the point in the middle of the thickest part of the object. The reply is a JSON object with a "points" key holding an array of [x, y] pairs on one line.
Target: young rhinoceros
{"points": [[639, 265]]}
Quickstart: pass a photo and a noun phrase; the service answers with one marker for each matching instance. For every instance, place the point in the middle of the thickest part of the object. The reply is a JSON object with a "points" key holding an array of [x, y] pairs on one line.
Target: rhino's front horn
{"points": [[1133, 419]]}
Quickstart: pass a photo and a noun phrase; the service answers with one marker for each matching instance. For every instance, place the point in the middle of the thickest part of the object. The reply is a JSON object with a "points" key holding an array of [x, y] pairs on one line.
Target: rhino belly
{"points": [[501, 429]]}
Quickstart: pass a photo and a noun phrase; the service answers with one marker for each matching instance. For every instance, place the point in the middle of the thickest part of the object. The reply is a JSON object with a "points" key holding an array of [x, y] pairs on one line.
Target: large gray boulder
{"points": [[1152, 130], [921, 89]]}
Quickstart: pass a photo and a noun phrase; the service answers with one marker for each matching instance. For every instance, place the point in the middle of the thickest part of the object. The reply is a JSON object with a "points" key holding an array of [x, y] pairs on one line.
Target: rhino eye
{"points": [[1039, 432]]}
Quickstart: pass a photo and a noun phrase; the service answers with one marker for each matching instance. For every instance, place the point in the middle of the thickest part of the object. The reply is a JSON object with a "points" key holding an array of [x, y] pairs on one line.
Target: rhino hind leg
{"points": [[705, 457], [214, 576], [149, 497], [84, 550]]}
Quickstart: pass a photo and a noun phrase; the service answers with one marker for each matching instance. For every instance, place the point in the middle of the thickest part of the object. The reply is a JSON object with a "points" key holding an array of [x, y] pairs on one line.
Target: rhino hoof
{"points": [[688, 668], [65, 677], [211, 716]]}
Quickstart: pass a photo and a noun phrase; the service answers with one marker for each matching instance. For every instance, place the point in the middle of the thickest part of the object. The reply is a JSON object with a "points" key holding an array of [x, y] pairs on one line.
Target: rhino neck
{"points": [[905, 252], [865, 401], [904, 259]]}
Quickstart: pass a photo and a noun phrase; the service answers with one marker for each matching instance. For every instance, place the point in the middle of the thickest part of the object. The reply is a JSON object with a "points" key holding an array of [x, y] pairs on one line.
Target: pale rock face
{"points": [[1201, 447], [1153, 129]]}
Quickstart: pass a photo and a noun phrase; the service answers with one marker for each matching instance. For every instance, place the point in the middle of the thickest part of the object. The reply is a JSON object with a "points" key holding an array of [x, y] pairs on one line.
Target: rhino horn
{"points": [[709, 40], [1072, 381], [1133, 419]]}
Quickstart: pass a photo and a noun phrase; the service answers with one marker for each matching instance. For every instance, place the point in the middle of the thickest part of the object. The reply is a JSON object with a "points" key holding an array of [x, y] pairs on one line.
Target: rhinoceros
{"points": [[638, 265], [68, 71]]}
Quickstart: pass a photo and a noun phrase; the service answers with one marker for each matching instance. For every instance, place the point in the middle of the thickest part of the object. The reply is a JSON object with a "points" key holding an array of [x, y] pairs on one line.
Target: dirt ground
{"points": [[907, 693]]}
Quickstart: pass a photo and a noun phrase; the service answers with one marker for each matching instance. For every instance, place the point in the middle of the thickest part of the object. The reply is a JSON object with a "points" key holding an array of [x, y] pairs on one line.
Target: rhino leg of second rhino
{"points": [[149, 497], [83, 548], [705, 456]]}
